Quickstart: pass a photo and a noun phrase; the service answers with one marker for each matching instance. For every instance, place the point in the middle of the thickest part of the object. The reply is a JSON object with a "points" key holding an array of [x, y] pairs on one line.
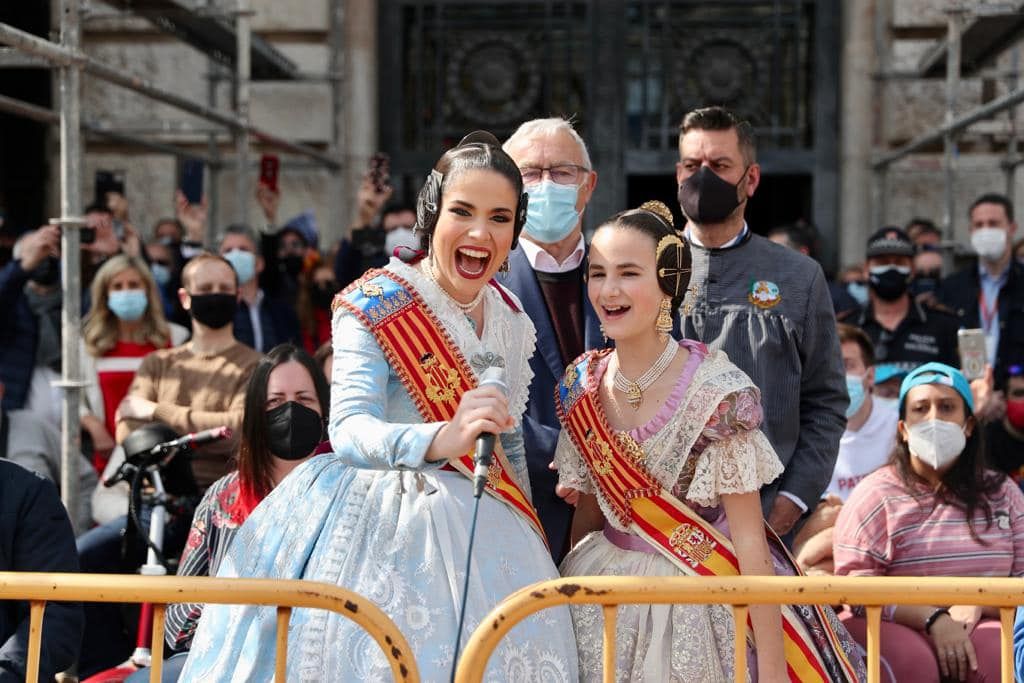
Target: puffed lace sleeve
{"points": [[734, 456], [572, 471]]}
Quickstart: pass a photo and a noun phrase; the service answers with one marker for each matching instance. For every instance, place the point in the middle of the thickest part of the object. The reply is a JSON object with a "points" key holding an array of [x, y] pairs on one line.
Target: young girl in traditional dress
{"points": [[388, 515], [661, 453]]}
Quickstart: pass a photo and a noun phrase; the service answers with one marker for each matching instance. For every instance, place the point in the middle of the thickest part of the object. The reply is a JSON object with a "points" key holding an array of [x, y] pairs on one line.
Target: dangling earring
{"points": [[604, 335], [664, 322], [504, 267]]}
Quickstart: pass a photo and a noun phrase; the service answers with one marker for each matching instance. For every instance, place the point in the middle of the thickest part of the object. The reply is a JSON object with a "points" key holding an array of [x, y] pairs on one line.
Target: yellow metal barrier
{"points": [[39, 588], [740, 592]]}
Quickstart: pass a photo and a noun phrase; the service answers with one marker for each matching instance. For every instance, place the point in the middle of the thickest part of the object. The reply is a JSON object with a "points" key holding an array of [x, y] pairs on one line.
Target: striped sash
{"points": [[430, 367], [697, 548]]}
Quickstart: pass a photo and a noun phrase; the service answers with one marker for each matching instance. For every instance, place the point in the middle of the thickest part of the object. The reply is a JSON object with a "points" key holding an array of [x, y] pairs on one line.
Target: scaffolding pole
{"points": [[63, 56], [949, 150], [70, 243], [985, 111], [243, 34], [36, 113]]}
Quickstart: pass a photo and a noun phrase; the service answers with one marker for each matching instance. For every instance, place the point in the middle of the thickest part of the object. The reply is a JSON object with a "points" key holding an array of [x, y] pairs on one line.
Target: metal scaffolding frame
{"points": [[962, 20], [26, 49]]}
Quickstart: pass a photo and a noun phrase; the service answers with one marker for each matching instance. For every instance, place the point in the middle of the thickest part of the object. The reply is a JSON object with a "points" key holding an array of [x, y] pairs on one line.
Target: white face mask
{"points": [[989, 243], [400, 237], [936, 442]]}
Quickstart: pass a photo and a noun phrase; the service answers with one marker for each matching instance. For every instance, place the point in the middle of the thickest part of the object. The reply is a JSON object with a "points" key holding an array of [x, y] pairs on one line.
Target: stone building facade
{"points": [[831, 84]]}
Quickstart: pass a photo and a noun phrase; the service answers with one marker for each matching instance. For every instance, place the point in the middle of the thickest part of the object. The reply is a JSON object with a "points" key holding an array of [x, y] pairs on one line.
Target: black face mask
{"points": [[323, 296], [926, 282], [293, 430], [292, 265], [47, 273], [890, 284], [706, 198], [214, 310]]}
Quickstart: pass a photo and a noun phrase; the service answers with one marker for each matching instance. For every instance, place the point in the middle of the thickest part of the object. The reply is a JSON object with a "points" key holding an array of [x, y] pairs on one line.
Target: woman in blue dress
{"points": [[388, 514]]}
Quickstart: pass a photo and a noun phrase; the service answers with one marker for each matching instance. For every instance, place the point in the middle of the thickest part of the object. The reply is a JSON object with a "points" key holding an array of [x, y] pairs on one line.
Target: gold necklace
{"points": [[634, 390]]}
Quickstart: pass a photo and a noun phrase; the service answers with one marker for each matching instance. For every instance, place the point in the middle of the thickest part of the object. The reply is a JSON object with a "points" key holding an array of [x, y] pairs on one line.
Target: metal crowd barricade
{"points": [[40, 588], [741, 592]]}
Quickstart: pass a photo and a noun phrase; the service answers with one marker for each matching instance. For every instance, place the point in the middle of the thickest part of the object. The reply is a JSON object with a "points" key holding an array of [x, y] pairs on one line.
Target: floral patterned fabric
{"points": [[212, 530], [703, 442], [377, 518]]}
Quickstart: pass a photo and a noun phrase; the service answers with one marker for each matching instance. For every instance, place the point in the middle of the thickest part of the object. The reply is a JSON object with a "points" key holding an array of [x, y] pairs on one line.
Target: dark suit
{"points": [[960, 292], [277, 321], [540, 423]]}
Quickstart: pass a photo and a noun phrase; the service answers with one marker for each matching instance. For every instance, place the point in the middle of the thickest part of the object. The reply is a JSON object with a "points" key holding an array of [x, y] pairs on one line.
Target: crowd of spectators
{"points": [[179, 335]]}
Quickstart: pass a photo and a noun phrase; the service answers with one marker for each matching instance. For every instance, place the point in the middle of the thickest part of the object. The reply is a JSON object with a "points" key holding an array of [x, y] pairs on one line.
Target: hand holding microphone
{"points": [[482, 411]]}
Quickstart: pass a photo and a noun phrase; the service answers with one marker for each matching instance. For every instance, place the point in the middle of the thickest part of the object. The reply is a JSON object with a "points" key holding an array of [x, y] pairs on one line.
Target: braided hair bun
{"points": [[478, 150]]}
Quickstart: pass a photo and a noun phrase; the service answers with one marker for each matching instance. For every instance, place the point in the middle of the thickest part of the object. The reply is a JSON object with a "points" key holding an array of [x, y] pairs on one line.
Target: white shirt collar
{"points": [[692, 239], [544, 262]]}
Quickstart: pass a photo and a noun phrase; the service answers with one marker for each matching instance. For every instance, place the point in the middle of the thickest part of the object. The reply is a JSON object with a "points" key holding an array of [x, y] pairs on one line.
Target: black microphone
{"points": [[492, 377], [195, 439]]}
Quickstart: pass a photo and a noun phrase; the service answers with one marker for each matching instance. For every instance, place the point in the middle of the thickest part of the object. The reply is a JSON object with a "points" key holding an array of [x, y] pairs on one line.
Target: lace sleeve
{"points": [[736, 457], [572, 471]]}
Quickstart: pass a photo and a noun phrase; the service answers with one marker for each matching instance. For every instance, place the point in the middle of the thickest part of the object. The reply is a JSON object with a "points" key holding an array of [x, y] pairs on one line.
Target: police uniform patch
{"points": [[764, 294]]}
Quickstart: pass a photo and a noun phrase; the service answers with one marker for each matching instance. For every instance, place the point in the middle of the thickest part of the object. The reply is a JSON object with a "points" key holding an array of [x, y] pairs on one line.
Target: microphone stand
{"points": [[478, 489], [465, 584]]}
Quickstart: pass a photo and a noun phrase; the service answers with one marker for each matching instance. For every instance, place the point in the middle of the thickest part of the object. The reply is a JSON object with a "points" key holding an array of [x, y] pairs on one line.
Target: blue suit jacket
{"points": [[540, 423]]}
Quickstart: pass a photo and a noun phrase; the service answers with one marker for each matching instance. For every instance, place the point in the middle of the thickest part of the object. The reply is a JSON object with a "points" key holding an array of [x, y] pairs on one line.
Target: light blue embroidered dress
{"points": [[376, 518]]}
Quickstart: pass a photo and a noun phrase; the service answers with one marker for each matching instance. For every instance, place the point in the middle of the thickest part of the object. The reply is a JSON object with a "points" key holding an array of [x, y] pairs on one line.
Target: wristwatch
{"points": [[933, 617]]}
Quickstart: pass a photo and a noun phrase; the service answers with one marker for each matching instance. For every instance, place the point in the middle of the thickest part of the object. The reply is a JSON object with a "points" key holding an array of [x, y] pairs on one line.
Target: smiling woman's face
{"points": [[474, 231], [622, 281]]}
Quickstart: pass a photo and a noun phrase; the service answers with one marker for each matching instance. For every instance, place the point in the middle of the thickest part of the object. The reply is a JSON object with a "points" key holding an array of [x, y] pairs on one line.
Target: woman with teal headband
{"points": [[935, 510]]}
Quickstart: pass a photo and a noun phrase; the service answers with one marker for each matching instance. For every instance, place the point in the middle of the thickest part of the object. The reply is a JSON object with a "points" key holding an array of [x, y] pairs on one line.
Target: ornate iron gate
{"points": [[627, 71]]}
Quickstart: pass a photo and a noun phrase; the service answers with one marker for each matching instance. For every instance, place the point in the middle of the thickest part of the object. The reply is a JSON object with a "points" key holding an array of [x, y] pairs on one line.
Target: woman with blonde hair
{"points": [[124, 324]]}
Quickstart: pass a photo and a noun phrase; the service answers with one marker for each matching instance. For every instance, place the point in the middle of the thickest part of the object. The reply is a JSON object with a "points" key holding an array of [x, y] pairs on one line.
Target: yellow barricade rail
{"points": [[40, 588], [740, 592]]}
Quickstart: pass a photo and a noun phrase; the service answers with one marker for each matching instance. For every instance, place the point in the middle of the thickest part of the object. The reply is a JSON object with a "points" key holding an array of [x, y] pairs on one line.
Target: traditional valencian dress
{"points": [[659, 487], [376, 518]]}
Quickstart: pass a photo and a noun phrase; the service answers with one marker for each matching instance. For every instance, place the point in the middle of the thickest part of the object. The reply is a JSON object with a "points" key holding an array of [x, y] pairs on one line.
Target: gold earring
{"points": [[664, 322]]}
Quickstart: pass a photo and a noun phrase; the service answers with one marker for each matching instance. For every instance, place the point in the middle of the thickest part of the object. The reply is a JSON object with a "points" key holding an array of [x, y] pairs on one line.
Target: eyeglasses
{"points": [[563, 174]]}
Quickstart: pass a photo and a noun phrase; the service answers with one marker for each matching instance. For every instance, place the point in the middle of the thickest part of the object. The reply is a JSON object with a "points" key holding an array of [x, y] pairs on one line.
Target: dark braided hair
{"points": [[673, 258], [478, 150]]}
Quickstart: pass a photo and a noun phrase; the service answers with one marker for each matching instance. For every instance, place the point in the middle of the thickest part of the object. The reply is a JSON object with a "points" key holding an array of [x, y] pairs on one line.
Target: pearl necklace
{"points": [[465, 308], [634, 391]]}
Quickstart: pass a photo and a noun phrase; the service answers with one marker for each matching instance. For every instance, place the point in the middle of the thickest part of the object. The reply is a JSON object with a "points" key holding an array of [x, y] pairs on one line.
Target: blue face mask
{"points": [[244, 263], [161, 273], [855, 388], [859, 291], [128, 304], [551, 213]]}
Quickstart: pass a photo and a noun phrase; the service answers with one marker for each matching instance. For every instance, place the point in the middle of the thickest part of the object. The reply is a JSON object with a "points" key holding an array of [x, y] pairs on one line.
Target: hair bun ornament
{"points": [[659, 210], [481, 137]]}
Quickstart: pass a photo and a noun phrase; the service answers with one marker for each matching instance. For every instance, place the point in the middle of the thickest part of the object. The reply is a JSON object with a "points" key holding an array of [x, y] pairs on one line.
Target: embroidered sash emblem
{"points": [[692, 544], [442, 380], [603, 455]]}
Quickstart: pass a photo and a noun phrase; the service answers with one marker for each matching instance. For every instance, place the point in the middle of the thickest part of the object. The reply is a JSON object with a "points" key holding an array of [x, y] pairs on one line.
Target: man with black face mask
{"points": [[201, 384], [905, 332], [766, 306]]}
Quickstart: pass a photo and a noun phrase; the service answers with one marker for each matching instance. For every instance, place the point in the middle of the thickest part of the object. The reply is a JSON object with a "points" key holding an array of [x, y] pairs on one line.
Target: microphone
{"points": [[195, 439], [493, 377]]}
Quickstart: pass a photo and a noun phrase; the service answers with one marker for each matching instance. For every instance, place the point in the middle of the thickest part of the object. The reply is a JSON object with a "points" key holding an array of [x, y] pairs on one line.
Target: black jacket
{"points": [[960, 293], [35, 536]]}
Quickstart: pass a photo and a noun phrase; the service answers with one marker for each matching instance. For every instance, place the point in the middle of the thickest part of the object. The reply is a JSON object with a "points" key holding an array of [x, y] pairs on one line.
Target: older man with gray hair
{"points": [[546, 272]]}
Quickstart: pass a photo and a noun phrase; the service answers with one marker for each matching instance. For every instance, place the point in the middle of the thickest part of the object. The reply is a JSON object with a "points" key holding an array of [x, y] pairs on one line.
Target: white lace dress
{"points": [[703, 442], [376, 518]]}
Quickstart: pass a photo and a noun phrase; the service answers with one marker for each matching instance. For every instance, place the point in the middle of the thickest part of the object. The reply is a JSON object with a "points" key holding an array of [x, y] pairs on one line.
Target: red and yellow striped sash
{"points": [[695, 546], [430, 367]]}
